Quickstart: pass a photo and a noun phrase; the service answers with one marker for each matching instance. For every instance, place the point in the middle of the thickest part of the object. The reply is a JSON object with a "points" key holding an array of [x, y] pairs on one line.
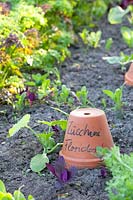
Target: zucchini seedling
{"points": [[39, 161]]}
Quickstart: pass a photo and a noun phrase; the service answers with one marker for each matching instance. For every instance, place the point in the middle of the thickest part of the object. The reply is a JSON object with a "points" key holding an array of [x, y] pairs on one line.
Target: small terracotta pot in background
{"points": [[129, 76], [87, 128]]}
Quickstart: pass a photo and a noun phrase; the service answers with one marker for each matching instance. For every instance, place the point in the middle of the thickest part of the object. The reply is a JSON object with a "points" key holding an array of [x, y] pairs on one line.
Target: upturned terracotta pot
{"points": [[129, 76], [87, 128]]}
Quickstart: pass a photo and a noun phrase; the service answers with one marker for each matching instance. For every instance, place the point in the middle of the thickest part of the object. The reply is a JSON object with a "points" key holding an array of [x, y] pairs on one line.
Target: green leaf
{"points": [[20, 124], [129, 184], [113, 59], [118, 98], [116, 14], [45, 122], [51, 143], [109, 93], [30, 197], [19, 195], [118, 94], [38, 162], [30, 83], [46, 140], [6, 196], [127, 35], [61, 123], [108, 44], [101, 151], [2, 187], [84, 35]]}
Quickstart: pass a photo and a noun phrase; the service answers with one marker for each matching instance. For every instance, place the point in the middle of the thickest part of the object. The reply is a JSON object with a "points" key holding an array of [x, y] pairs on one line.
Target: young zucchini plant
{"points": [[17, 195], [38, 162]]}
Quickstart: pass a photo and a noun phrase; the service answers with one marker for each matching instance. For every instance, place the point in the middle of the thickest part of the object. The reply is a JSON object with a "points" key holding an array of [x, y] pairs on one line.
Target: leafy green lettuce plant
{"points": [[18, 37], [89, 12], [120, 187], [17, 195], [91, 39], [38, 162], [43, 39]]}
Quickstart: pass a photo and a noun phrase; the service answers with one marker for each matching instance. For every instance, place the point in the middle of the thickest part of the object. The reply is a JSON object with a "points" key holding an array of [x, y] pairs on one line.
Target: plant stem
{"points": [[58, 144], [34, 133], [122, 163], [60, 111]]}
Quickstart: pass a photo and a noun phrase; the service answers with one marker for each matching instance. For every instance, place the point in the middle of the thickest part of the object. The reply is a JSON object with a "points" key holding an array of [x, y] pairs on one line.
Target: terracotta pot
{"points": [[87, 128], [129, 76]]}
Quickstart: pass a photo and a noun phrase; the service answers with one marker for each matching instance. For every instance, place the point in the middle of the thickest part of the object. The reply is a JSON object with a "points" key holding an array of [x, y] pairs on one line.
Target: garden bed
{"points": [[85, 67]]}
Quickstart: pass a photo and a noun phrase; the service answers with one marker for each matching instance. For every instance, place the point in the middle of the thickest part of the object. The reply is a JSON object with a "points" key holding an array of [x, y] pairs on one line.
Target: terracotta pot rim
{"points": [[82, 163]]}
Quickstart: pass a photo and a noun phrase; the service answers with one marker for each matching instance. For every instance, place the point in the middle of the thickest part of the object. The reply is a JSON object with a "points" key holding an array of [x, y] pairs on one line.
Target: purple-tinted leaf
{"points": [[60, 171], [55, 129], [5, 8], [59, 165], [11, 40], [125, 3], [103, 172], [61, 161], [64, 176], [51, 168], [31, 96]]}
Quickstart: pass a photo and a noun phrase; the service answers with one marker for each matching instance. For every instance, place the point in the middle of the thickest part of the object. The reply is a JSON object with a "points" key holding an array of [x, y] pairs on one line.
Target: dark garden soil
{"points": [[85, 67]]}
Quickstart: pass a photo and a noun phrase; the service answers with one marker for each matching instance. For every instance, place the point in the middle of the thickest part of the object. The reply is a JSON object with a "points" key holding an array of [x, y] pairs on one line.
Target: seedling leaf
{"points": [[20, 124], [19, 195], [61, 123], [2, 187], [46, 139], [127, 35], [6, 196], [113, 59], [30, 197], [116, 14], [109, 93], [38, 162]]}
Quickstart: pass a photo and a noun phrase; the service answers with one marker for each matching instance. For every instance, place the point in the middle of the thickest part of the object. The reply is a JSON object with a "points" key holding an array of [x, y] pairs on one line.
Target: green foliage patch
{"points": [[121, 167], [17, 195]]}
